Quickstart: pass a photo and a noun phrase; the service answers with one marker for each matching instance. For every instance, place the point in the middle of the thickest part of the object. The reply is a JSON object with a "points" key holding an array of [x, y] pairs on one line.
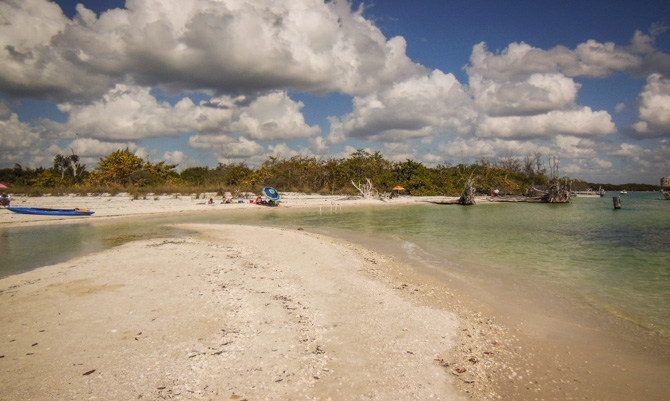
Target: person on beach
{"points": [[210, 201], [5, 200]]}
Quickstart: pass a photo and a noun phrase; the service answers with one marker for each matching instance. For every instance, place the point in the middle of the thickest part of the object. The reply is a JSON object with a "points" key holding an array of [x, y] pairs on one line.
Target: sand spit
{"points": [[255, 313], [220, 317]]}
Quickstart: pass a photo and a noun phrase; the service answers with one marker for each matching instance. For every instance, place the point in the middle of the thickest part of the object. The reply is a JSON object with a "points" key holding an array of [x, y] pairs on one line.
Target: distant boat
{"points": [[586, 194], [590, 193], [51, 212], [623, 192]]}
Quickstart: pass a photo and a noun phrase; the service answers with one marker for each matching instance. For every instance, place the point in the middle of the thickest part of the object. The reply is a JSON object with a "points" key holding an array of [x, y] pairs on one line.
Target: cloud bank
{"points": [[223, 73]]}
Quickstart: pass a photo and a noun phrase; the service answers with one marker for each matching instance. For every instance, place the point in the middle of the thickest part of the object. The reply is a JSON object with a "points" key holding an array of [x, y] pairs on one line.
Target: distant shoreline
{"points": [[125, 205]]}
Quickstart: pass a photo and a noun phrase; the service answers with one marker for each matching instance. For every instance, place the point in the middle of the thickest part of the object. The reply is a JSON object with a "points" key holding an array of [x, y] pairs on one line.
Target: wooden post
{"points": [[617, 202]]}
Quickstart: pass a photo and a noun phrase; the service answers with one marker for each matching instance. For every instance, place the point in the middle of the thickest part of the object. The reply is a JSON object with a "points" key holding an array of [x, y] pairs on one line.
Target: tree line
{"points": [[122, 171]]}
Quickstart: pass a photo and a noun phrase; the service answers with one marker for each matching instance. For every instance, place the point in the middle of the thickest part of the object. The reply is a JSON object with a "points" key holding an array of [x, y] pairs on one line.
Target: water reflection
{"points": [[27, 248]]}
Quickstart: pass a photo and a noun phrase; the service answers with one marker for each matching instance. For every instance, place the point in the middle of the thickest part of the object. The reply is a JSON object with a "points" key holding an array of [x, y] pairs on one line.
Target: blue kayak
{"points": [[51, 212]]}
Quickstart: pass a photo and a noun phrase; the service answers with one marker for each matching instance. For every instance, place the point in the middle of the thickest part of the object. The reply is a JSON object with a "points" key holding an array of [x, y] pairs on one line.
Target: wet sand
{"points": [[226, 314]]}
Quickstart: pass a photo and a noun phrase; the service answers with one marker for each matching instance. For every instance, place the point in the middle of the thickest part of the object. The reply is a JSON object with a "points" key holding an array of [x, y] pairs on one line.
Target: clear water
{"points": [[614, 261], [27, 248]]}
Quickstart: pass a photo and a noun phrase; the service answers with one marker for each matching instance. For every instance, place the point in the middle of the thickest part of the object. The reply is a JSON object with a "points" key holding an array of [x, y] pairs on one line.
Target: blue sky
{"points": [[199, 82]]}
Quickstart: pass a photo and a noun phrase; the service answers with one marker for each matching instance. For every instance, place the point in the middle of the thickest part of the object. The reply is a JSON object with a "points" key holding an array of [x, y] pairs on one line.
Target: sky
{"points": [[201, 82]]}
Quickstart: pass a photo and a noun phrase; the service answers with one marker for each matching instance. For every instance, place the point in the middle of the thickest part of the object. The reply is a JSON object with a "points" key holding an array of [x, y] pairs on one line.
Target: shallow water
{"points": [[616, 261], [613, 261]]}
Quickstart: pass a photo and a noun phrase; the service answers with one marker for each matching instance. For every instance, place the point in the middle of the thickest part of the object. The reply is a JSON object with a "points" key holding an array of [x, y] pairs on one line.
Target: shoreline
{"points": [[499, 359], [120, 206], [553, 352]]}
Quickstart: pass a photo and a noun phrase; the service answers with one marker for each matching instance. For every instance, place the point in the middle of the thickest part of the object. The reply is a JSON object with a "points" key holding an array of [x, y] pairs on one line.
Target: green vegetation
{"points": [[122, 171], [627, 187]]}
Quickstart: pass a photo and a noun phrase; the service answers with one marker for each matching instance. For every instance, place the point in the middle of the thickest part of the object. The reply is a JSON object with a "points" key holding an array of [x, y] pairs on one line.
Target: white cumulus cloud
{"points": [[132, 112], [272, 116], [174, 157], [241, 148], [581, 122], [16, 135], [422, 106], [591, 59], [228, 46], [654, 108], [537, 93], [91, 147]]}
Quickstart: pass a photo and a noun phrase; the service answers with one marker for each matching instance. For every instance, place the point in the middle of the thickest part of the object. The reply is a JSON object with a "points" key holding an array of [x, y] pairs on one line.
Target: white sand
{"points": [[229, 314], [220, 316], [125, 205], [263, 313]]}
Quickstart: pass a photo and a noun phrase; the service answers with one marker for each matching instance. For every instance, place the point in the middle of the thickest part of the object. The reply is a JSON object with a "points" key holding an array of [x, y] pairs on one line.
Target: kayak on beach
{"points": [[51, 212]]}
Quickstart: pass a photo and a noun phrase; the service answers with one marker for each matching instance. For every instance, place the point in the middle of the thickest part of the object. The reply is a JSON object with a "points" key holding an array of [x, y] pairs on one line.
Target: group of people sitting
{"points": [[224, 200], [261, 201], [258, 201]]}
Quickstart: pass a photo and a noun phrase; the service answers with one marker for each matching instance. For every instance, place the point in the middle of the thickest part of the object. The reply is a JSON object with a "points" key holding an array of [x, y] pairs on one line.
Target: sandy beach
{"points": [[125, 205], [224, 313]]}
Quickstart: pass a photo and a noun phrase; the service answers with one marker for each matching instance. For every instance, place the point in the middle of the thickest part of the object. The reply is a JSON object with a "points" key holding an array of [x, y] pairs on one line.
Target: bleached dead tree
{"points": [[367, 190], [558, 193], [74, 163], [469, 191]]}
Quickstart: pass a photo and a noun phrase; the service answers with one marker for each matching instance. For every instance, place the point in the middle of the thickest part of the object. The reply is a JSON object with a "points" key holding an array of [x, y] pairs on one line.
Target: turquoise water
{"points": [[616, 262]]}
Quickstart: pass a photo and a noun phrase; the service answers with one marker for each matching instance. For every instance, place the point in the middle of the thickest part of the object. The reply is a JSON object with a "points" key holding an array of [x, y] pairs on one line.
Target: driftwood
{"points": [[558, 193], [468, 195], [503, 199], [367, 190], [517, 199]]}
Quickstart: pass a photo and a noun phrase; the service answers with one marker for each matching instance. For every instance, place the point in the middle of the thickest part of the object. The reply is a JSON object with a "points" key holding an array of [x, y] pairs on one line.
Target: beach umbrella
{"points": [[398, 189], [270, 193], [3, 185]]}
